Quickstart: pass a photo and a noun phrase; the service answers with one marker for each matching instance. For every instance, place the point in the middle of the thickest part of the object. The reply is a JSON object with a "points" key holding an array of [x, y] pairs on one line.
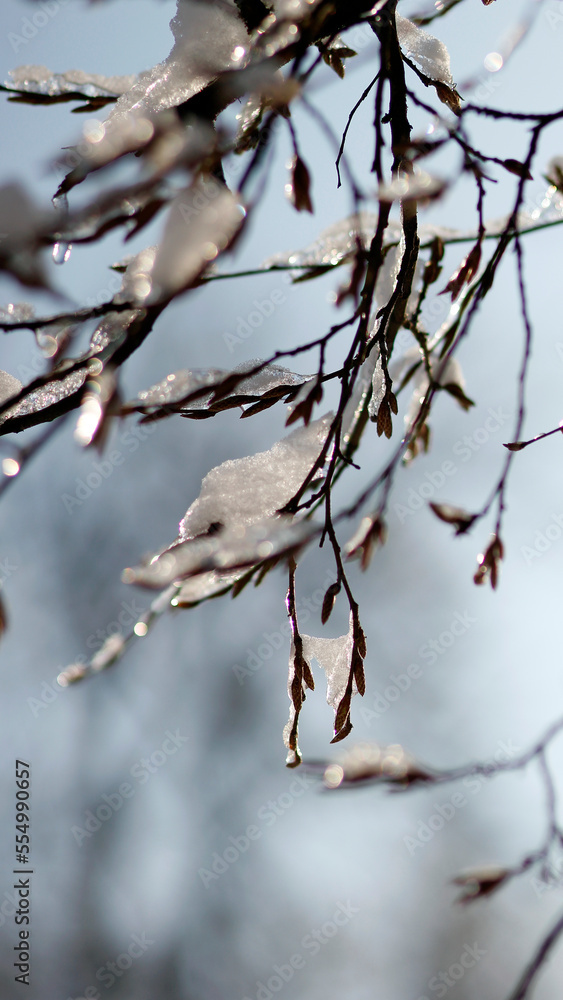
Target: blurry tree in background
{"points": [[193, 141]]}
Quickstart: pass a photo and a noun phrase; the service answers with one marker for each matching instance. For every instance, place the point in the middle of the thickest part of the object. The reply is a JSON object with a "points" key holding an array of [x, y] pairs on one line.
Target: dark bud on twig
{"points": [[479, 882], [369, 762], [328, 602], [518, 168], [488, 563], [461, 519], [467, 269], [299, 189], [371, 532]]}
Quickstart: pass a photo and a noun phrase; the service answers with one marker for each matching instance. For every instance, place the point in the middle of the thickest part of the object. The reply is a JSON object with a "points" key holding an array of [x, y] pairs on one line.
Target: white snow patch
{"points": [[242, 491], [208, 37], [429, 53]]}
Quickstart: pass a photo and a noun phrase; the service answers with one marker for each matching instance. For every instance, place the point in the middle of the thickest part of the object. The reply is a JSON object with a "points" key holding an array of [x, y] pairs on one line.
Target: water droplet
{"points": [[333, 776], [10, 467], [493, 62], [61, 252]]}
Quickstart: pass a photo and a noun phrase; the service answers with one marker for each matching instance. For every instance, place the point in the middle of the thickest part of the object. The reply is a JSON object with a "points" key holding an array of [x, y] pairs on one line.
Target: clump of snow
{"points": [[40, 80], [113, 327], [202, 221], [233, 548], [340, 241], [337, 242], [429, 53], [47, 395], [204, 586], [378, 387], [209, 37], [9, 386], [17, 312], [242, 491], [334, 656], [178, 385], [136, 283], [234, 522], [418, 186]]}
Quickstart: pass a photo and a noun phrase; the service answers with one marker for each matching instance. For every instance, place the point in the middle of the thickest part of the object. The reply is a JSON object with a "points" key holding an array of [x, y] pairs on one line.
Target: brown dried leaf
{"points": [[359, 675], [554, 173], [384, 421], [239, 585], [371, 532], [333, 55], [297, 692], [449, 96], [360, 640], [461, 519], [262, 404], [328, 602], [518, 168], [352, 288], [299, 190], [433, 267], [488, 563], [344, 732], [304, 409], [457, 392], [516, 445], [480, 882], [3, 616], [420, 442], [465, 272], [228, 404], [308, 676], [343, 711]]}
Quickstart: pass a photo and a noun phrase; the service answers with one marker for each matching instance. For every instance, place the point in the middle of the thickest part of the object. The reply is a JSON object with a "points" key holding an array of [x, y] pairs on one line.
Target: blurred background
{"points": [[156, 900]]}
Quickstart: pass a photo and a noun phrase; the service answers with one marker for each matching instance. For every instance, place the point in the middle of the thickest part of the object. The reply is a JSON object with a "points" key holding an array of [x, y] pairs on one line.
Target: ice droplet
{"points": [[61, 252]]}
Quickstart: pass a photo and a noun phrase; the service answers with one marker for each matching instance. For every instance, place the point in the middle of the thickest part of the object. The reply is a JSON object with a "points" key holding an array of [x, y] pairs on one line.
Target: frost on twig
{"points": [[37, 84], [255, 385]]}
